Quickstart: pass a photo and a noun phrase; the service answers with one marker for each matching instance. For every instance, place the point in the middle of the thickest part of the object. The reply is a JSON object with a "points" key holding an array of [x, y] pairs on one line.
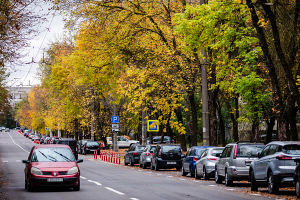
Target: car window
{"points": [[204, 154], [169, 149], [188, 153], [199, 152], [152, 148], [292, 149], [122, 139], [52, 154], [264, 151], [139, 148], [92, 143], [272, 149], [249, 150], [217, 152]]}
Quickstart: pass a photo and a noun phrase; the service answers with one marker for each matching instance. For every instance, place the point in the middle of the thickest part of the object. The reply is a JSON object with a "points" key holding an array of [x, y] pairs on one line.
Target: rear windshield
{"points": [[152, 148], [249, 150], [171, 149], [199, 152], [70, 143], [52, 154], [292, 149], [217, 152], [140, 148], [92, 143]]}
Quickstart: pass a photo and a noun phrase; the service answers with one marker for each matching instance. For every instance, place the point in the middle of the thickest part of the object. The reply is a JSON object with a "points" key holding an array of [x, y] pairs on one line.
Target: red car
{"points": [[52, 166]]}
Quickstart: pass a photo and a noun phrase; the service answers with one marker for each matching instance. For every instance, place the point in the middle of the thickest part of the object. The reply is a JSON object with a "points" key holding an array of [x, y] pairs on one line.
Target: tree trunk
{"points": [[234, 118], [188, 118], [222, 126], [182, 139], [293, 124], [194, 126], [255, 131]]}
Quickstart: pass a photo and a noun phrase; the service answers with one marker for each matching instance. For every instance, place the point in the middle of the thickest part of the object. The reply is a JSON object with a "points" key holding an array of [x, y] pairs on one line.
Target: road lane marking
{"points": [[182, 179], [134, 199], [18, 160], [120, 193], [159, 174], [82, 177], [17, 144], [212, 185], [256, 194], [140, 170], [149, 172], [169, 176], [5, 161], [95, 182], [231, 189]]}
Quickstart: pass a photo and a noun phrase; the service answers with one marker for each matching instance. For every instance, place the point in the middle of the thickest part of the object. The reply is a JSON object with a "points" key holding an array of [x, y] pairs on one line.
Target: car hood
{"points": [[54, 166]]}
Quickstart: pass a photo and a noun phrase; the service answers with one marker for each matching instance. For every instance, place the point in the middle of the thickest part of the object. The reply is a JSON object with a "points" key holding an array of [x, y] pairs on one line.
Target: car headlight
{"points": [[36, 171], [73, 170]]}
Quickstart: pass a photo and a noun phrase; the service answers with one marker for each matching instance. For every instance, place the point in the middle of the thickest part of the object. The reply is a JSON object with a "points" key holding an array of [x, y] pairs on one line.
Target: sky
{"points": [[26, 74]]}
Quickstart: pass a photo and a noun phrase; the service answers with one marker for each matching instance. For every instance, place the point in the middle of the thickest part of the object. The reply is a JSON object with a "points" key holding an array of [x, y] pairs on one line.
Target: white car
{"points": [[121, 142]]}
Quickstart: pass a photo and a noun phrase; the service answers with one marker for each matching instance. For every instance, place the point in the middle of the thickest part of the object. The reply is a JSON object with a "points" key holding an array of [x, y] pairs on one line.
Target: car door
{"points": [[224, 159], [185, 163], [127, 155], [260, 164], [200, 163]]}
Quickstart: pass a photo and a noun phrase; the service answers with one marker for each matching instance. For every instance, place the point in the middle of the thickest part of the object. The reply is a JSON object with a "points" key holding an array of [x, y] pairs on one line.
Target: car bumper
{"points": [[238, 173], [169, 163], [67, 182]]}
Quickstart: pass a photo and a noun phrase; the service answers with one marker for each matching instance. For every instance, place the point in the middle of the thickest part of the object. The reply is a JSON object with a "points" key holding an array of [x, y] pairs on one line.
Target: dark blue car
{"points": [[188, 163]]}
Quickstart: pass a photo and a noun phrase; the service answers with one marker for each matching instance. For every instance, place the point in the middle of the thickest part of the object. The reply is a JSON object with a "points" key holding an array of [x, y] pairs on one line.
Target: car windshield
{"points": [[217, 152], [200, 151], [249, 150], [171, 149], [140, 148], [52, 154], [92, 144], [292, 149]]}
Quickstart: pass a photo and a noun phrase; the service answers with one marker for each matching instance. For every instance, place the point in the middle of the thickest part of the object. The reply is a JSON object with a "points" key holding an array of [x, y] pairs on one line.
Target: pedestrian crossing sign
{"points": [[152, 125]]}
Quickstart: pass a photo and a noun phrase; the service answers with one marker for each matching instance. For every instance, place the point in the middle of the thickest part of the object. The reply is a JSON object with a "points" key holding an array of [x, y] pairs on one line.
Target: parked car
{"points": [[47, 140], [81, 144], [2, 129], [297, 178], [167, 156], [188, 163], [7, 130], [64, 171], [42, 139], [132, 156], [125, 142], [30, 135], [90, 147], [71, 143], [157, 140], [53, 140], [234, 162], [37, 139], [145, 157], [275, 166], [205, 165]]}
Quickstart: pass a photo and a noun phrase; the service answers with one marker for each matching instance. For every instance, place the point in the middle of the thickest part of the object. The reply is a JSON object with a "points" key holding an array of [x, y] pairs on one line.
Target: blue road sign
{"points": [[115, 119]]}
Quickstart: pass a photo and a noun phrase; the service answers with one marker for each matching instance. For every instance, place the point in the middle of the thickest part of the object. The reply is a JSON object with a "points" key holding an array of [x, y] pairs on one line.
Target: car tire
{"points": [[151, 166], [178, 168], [204, 176], [125, 161], [218, 178], [297, 188], [25, 184], [273, 189], [29, 187], [196, 173], [191, 172], [143, 166], [183, 173], [254, 186], [227, 181], [156, 167], [130, 162], [77, 188]]}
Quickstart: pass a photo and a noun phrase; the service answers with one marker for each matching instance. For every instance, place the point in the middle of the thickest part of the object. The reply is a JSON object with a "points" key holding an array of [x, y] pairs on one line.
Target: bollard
{"points": [[105, 156], [119, 159]]}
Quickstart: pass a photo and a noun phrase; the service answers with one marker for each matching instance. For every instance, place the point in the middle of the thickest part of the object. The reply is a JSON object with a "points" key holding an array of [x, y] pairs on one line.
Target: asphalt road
{"points": [[101, 180]]}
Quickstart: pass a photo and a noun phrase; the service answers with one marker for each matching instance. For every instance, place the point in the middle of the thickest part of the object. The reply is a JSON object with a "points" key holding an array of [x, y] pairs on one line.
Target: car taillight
{"points": [[194, 158], [283, 157], [212, 158], [76, 148], [149, 154], [159, 154], [136, 153], [235, 151], [86, 147]]}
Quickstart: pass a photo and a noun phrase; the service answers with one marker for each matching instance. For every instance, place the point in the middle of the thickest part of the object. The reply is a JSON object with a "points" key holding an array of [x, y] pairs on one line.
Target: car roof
{"points": [[52, 145], [284, 142], [246, 142], [67, 139], [201, 147]]}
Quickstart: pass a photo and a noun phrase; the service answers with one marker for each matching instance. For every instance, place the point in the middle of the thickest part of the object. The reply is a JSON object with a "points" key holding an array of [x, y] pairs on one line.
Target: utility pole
{"points": [[205, 113], [144, 124]]}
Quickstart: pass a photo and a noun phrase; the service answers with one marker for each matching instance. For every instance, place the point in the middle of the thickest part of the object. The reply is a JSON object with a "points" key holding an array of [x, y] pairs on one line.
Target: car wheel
{"points": [[254, 187], [227, 181], [178, 168], [25, 184], [196, 173], [297, 188], [273, 188], [77, 188], [29, 187], [218, 178], [156, 167], [130, 162], [144, 166], [191, 172], [205, 177], [125, 161], [140, 164], [151, 166], [183, 173]]}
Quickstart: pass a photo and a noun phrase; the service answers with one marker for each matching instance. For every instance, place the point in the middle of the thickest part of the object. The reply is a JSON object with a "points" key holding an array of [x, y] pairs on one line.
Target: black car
{"points": [[90, 147], [297, 178], [133, 154], [167, 156], [72, 144], [157, 140], [81, 143]]}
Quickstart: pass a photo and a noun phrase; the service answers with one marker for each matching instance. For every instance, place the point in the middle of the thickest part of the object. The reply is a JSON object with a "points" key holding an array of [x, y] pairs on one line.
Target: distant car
{"points": [[64, 171], [47, 140], [80, 145], [235, 160], [188, 163], [125, 142], [145, 158], [132, 156], [167, 156], [71, 143], [275, 166], [53, 140], [2, 128], [7, 130], [157, 140], [42, 139], [37, 139], [90, 147], [205, 166]]}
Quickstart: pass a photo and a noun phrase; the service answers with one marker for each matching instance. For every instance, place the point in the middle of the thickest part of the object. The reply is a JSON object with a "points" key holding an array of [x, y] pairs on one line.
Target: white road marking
{"points": [[256, 194], [169, 176], [149, 172], [182, 179], [17, 144], [82, 177], [140, 170], [159, 174], [134, 199], [18, 160], [120, 193], [95, 182], [212, 185], [231, 189], [5, 161]]}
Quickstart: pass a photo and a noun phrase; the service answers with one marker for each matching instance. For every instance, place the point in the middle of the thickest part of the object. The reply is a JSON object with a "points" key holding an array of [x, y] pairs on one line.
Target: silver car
{"points": [[145, 158], [275, 166], [205, 166], [234, 162]]}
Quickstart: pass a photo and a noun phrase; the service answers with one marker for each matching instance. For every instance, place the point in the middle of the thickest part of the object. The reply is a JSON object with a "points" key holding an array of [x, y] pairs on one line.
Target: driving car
{"points": [[90, 147], [132, 156], [275, 166], [7, 130], [145, 157], [167, 156], [235, 160], [51, 166], [188, 163], [205, 165]]}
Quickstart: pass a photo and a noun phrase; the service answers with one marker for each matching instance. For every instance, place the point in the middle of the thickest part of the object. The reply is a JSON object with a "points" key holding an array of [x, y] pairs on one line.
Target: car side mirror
{"points": [[79, 161], [25, 161], [257, 154]]}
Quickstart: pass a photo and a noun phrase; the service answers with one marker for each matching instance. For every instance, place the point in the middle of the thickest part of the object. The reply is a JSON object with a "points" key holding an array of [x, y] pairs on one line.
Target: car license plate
{"points": [[171, 163], [55, 179]]}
